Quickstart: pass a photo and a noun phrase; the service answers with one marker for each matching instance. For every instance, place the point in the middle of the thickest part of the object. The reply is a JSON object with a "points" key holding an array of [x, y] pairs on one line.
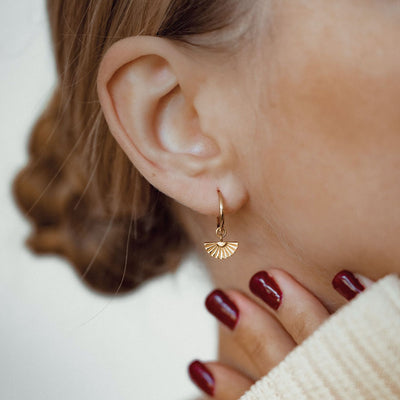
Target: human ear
{"points": [[148, 87]]}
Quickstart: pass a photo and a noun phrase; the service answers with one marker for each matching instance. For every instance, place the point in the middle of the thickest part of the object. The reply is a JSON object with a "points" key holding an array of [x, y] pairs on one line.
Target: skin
{"points": [[299, 129], [267, 335], [327, 130]]}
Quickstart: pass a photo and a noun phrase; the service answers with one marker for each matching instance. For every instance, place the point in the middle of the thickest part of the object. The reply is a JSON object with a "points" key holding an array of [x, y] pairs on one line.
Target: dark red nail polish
{"points": [[265, 287], [347, 284], [202, 377], [223, 308]]}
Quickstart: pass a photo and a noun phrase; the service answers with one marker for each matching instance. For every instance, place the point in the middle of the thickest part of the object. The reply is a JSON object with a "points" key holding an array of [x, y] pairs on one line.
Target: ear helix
{"points": [[221, 249]]}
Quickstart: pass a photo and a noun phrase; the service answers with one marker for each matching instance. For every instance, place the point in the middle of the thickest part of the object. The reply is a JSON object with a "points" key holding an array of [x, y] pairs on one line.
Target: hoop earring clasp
{"points": [[221, 249], [220, 231]]}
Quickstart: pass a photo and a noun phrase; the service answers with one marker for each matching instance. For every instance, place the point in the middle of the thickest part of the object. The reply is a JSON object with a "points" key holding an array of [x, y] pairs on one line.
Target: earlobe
{"points": [[148, 101]]}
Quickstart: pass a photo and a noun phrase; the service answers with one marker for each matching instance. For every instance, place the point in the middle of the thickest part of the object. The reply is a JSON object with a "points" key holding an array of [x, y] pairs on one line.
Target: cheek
{"points": [[331, 164]]}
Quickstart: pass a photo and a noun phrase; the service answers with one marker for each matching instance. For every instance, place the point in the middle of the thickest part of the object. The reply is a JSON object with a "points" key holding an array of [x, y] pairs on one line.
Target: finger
{"points": [[366, 282], [255, 330], [298, 310], [349, 285], [218, 381]]}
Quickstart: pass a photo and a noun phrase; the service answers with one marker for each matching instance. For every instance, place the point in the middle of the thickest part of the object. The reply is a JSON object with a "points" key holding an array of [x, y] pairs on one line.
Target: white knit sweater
{"points": [[354, 355]]}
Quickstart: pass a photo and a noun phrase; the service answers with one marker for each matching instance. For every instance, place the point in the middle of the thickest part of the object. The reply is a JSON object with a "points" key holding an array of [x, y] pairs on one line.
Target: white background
{"points": [[58, 340]]}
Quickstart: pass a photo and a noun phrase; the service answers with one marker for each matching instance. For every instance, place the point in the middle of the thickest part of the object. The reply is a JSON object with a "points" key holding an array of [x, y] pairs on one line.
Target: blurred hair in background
{"points": [[59, 339]]}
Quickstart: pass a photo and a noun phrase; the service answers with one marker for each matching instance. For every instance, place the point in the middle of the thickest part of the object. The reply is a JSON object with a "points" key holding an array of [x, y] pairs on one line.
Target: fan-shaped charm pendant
{"points": [[221, 249]]}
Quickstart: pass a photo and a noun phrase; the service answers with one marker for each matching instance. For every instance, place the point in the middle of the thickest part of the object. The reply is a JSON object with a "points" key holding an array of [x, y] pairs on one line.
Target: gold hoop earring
{"points": [[221, 249]]}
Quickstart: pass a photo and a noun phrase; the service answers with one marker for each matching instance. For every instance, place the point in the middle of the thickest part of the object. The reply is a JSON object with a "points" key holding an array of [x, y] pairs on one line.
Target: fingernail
{"points": [[223, 308], [347, 284], [265, 287], [202, 377]]}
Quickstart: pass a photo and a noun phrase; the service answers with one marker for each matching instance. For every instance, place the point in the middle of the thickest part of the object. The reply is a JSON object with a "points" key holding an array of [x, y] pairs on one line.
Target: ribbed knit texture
{"points": [[354, 355]]}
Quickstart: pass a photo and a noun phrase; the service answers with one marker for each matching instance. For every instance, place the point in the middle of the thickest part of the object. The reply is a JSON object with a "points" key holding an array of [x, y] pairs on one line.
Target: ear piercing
{"points": [[221, 249]]}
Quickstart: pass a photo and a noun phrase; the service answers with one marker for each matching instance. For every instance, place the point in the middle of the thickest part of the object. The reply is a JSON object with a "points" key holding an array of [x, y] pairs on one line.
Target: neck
{"points": [[262, 247], [235, 272]]}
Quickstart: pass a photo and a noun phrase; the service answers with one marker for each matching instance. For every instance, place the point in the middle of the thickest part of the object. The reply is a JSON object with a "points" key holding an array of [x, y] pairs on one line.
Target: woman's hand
{"points": [[266, 334]]}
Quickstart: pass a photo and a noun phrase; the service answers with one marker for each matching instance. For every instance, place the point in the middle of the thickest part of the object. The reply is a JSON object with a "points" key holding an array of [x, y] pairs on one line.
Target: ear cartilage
{"points": [[221, 249]]}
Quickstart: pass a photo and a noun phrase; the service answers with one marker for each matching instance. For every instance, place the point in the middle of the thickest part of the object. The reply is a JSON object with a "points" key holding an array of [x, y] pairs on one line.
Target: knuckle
{"points": [[300, 327], [255, 347]]}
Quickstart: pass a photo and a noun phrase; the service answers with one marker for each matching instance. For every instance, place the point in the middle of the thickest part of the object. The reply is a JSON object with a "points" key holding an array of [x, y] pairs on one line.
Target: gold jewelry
{"points": [[221, 249]]}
